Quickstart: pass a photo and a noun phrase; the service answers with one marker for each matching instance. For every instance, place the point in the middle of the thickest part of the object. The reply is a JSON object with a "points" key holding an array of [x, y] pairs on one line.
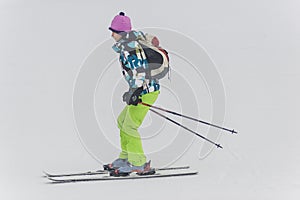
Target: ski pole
{"points": [[163, 116], [191, 118]]}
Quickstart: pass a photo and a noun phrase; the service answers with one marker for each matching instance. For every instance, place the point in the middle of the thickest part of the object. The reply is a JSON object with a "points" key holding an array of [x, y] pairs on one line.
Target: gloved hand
{"points": [[132, 96]]}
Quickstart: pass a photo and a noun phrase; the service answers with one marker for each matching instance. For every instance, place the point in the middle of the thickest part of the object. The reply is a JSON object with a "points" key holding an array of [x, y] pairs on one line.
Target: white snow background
{"points": [[255, 46]]}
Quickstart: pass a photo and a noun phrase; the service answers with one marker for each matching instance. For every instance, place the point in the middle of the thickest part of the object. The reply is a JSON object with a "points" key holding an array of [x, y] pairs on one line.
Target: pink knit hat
{"points": [[120, 23]]}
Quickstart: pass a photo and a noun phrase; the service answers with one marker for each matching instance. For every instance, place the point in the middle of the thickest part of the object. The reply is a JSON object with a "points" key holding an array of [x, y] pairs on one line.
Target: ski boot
{"points": [[116, 164], [127, 170]]}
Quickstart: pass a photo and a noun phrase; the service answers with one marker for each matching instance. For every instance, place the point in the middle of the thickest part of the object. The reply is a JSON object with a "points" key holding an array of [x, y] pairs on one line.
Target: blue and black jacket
{"points": [[135, 60]]}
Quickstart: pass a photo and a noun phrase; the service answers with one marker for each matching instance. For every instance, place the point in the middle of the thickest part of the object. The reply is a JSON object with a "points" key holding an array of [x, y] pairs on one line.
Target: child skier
{"points": [[142, 88]]}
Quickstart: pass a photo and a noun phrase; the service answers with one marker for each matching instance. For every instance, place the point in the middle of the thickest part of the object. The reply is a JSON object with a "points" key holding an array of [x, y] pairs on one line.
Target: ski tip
{"points": [[45, 174], [219, 146], [53, 181], [234, 132]]}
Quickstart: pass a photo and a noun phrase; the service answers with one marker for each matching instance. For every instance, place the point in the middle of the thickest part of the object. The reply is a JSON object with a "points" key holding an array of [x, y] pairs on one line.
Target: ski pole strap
{"points": [[195, 133], [191, 118]]}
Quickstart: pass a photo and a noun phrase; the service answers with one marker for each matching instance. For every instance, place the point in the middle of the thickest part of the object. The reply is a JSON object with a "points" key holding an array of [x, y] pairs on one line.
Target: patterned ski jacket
{"points": [[134, 62]]}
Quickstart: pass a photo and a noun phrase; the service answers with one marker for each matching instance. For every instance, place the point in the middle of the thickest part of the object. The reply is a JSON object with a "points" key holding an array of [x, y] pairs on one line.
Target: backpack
{"points": [[157, 57]]}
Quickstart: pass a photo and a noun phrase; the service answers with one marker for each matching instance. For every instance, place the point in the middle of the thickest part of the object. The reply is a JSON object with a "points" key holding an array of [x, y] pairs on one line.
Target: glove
{"points": [[131, 99], [132, 96]]}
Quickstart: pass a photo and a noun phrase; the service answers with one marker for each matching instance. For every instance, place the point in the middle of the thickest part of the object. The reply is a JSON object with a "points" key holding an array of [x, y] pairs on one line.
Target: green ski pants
{"points": [[129, 120]]}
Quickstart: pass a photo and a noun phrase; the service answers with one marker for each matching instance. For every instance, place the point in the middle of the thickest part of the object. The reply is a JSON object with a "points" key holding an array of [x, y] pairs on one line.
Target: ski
{"points": [[98, 172], [132, 176]]}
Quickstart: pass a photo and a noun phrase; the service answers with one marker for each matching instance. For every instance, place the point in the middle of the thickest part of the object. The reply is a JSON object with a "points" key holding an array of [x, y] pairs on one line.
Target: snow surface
{"points": [[255, 46]]}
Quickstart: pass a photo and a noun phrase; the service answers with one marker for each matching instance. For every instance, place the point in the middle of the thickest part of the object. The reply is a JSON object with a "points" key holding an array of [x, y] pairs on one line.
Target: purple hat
{"points": [[120, 23]]}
